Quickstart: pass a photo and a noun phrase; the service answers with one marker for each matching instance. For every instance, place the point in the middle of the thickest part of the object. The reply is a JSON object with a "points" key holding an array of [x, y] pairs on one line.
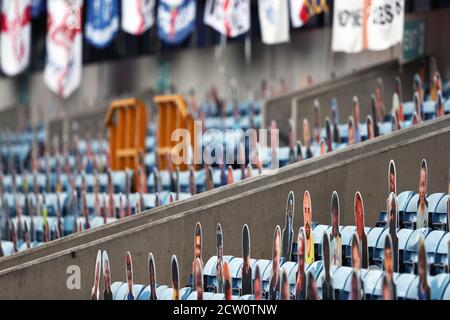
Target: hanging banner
{"points": [[15, 36], [176, 20], [274, 21], [138, 16], [303, 10], [367, 24], [102, 22], [62, 72], [37, 8], [229, 17]]}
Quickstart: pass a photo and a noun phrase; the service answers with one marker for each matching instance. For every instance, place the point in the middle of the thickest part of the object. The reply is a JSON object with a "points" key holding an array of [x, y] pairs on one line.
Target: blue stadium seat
{"points": [[441, 256], [429, 109], [346, 240], [377, 293], [372, 239], [439, 216], [410, 215], [403, 284], [370, 283], [340, 277], [439, 284], [431, 244], [318, 231], [115, 288], [410, 254]]}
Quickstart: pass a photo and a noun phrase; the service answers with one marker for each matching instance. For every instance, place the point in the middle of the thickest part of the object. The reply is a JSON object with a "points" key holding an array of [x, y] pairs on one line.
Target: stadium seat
{"points": [[439, 215]]}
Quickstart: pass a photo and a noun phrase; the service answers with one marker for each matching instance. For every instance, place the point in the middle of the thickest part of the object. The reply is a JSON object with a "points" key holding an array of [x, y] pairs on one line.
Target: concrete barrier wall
{"points": [[262, 207]]}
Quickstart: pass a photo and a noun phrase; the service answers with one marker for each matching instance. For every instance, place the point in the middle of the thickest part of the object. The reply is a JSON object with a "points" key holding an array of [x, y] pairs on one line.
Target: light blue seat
{"points": [[439, 284], [341, 276], [441, 255], [410, 255], [318, 236], [410, 215], [429, 109], [385, 128], [408, 109], [372, 239], [431, 244], [439, 216], [346, 240], [115, 288], [370, 283], [403, 284]]}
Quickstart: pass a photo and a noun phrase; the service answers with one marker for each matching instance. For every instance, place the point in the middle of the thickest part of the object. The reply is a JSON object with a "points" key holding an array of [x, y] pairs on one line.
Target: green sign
{"points": [[414, 40]]}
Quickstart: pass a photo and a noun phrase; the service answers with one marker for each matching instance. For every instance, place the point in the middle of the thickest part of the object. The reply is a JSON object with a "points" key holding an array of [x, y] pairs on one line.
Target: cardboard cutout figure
{"points": [[398, 91], [107, 292], [298, 151], [152, 276], [246, 268], [327, 284], [316, 121], [335, 237], [422, 204], [175, 278], [356, 118], [379, 93], [418, 106], [351, 131], [415, 119], [257, 284], [335, 119], [198, 276], [300, 284], [306, 133], [370, 129], [288, 231], [356, 264], [356, 287], [328, 139], [219, 264], [198, 239], [95, 295], [392, 178], [129, 270], [285, 295], [389, 257], [323, 147], [373, 108], [311, 289], [360, 224], [439, 105], [274, 285], [227, 281], [387, 289], [424, 292], [392, 210], [309, 240]]}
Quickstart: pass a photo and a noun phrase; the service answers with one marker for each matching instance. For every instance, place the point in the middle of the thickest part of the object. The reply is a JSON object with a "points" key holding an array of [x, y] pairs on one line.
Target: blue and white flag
{"points": [[102, 22], [37, 8], [176, 20]]}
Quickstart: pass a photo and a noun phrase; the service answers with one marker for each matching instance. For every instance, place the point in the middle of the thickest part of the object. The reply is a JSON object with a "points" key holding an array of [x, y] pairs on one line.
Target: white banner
{"points": [[137, 16], [62, 72], [15, 36], [380, 29], [274, 21], [229, 17]]}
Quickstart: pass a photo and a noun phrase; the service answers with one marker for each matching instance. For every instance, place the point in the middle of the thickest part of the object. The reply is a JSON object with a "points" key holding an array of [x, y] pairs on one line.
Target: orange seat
{"points": [[126, 121], [173, 114]]}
